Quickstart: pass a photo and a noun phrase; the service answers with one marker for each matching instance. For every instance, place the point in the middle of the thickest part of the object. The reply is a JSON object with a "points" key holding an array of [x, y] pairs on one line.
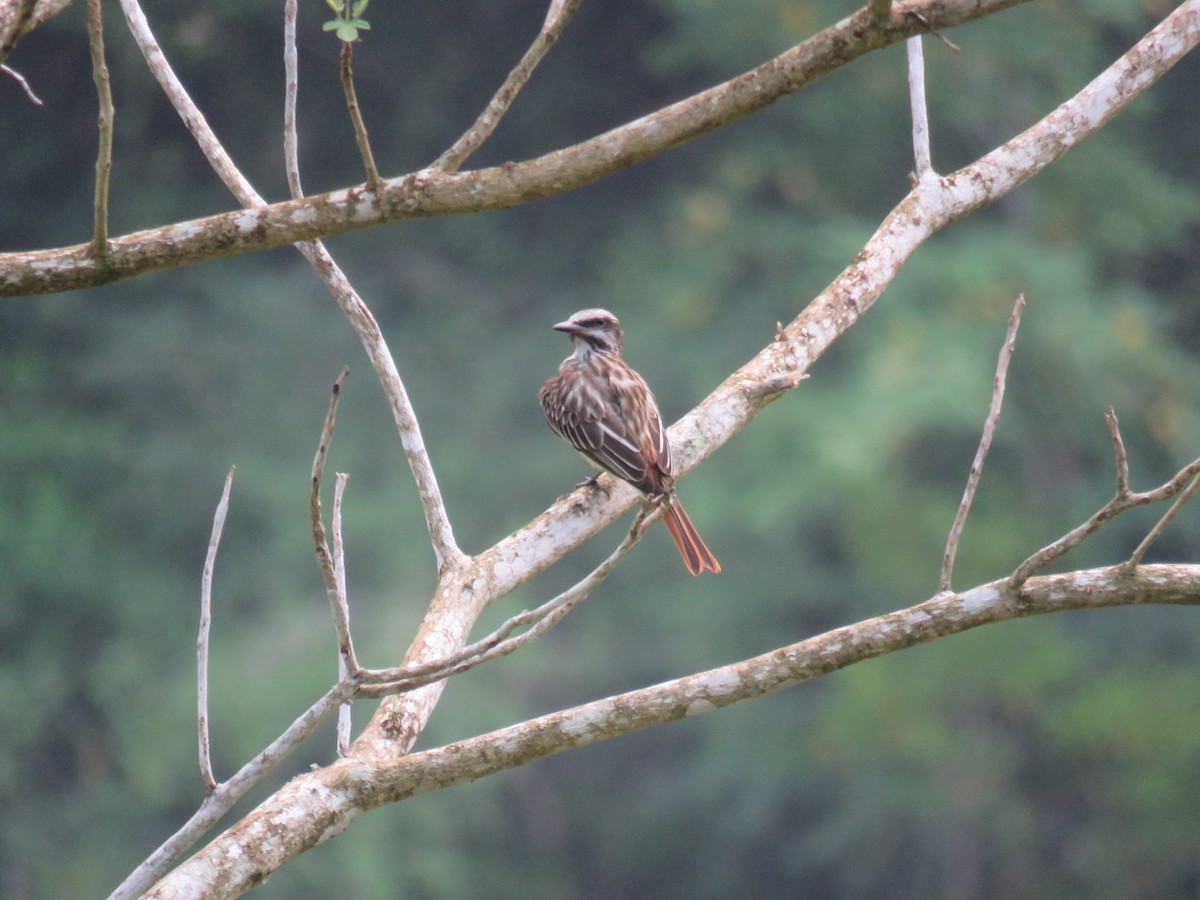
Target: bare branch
{"points": [[1114, 428], [20, 79], [930, 206], [347, 663], [922, 160], [15, 22], [291, 66], [210, 560], [381, 682], [222, 799], [446, 550], [557, 17], [1135, 560], [327, 562], [314, 804], [360, 127], [920, 17], [105, 121], [433, 193], [879, 9], [985, 444], [1123, 501]]}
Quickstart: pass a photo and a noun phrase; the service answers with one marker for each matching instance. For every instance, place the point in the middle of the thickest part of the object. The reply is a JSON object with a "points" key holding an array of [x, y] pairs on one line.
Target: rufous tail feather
{"points": [[696, 555]]}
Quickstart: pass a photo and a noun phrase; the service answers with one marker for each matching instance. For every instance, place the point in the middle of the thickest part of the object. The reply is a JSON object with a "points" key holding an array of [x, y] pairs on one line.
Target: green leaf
{"points": [[336, 6], [360, 23], [347, 32], [329, 26], [359, 7]]}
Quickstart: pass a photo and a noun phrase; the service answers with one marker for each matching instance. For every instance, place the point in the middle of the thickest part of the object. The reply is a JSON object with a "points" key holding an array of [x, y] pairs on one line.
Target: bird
{"points": [[604, 409]]}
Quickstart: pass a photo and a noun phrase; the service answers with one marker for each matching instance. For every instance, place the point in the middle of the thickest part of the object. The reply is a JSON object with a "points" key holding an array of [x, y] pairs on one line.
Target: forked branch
{"points": [[1123, 501]]}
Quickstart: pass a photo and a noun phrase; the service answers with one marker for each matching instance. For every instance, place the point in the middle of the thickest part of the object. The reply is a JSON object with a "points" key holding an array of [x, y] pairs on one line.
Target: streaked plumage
{"points": [[606, 411]]}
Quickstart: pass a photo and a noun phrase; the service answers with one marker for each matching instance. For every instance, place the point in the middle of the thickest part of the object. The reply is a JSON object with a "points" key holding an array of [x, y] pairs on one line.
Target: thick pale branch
{"points": [[226, 794], [922, 159], [433, 193], [318, 804]]}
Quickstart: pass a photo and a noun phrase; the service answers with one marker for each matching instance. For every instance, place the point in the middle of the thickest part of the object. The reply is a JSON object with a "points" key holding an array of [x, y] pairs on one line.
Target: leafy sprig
{"points": [[348, 21]]}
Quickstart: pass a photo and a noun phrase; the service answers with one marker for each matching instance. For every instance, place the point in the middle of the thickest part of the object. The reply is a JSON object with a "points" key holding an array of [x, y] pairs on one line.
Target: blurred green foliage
{"points": [[1053, 757]]}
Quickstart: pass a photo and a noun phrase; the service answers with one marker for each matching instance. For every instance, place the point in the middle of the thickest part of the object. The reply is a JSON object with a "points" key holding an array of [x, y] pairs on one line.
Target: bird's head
{"points": [[593, 329]]}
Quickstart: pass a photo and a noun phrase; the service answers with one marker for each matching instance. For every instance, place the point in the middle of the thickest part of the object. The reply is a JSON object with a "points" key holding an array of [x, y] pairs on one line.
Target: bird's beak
{"points": [[568, 327]]}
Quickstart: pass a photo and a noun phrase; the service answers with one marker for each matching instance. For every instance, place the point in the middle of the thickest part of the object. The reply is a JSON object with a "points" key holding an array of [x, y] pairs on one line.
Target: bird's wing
{"points": [[620, 430]]}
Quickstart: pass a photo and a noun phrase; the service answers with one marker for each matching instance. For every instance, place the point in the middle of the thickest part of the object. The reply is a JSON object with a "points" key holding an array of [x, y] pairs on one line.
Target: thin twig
{"points": [[326, 561], [105, 121], [347, 664], [380, 682], [920, 114], [985, 444], [1123, 501], [20, 79], [557, 17], [1135, 560], [908, 11], [360, 127], [1122, 458], [210, 560]]}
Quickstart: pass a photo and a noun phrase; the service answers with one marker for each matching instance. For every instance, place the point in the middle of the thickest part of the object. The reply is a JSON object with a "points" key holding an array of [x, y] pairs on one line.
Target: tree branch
{"points": [[929, 207], [347, 663], [328, 563], [317, 804], [441, 534], [922, 160], [15, 23], [360, 127], [433, 193], [1135, 560], [21, 80], [985, 444], [464, 591], [210, 561], [1123, 501], [557, 17], [105, 121]]}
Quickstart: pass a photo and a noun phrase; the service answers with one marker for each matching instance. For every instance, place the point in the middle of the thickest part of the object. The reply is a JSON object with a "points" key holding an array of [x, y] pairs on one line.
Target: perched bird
{"points": [[605, 410]]}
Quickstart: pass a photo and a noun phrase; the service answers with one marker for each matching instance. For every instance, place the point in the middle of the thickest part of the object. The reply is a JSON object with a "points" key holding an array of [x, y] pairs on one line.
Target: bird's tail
{"points": [[696, 555]]}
